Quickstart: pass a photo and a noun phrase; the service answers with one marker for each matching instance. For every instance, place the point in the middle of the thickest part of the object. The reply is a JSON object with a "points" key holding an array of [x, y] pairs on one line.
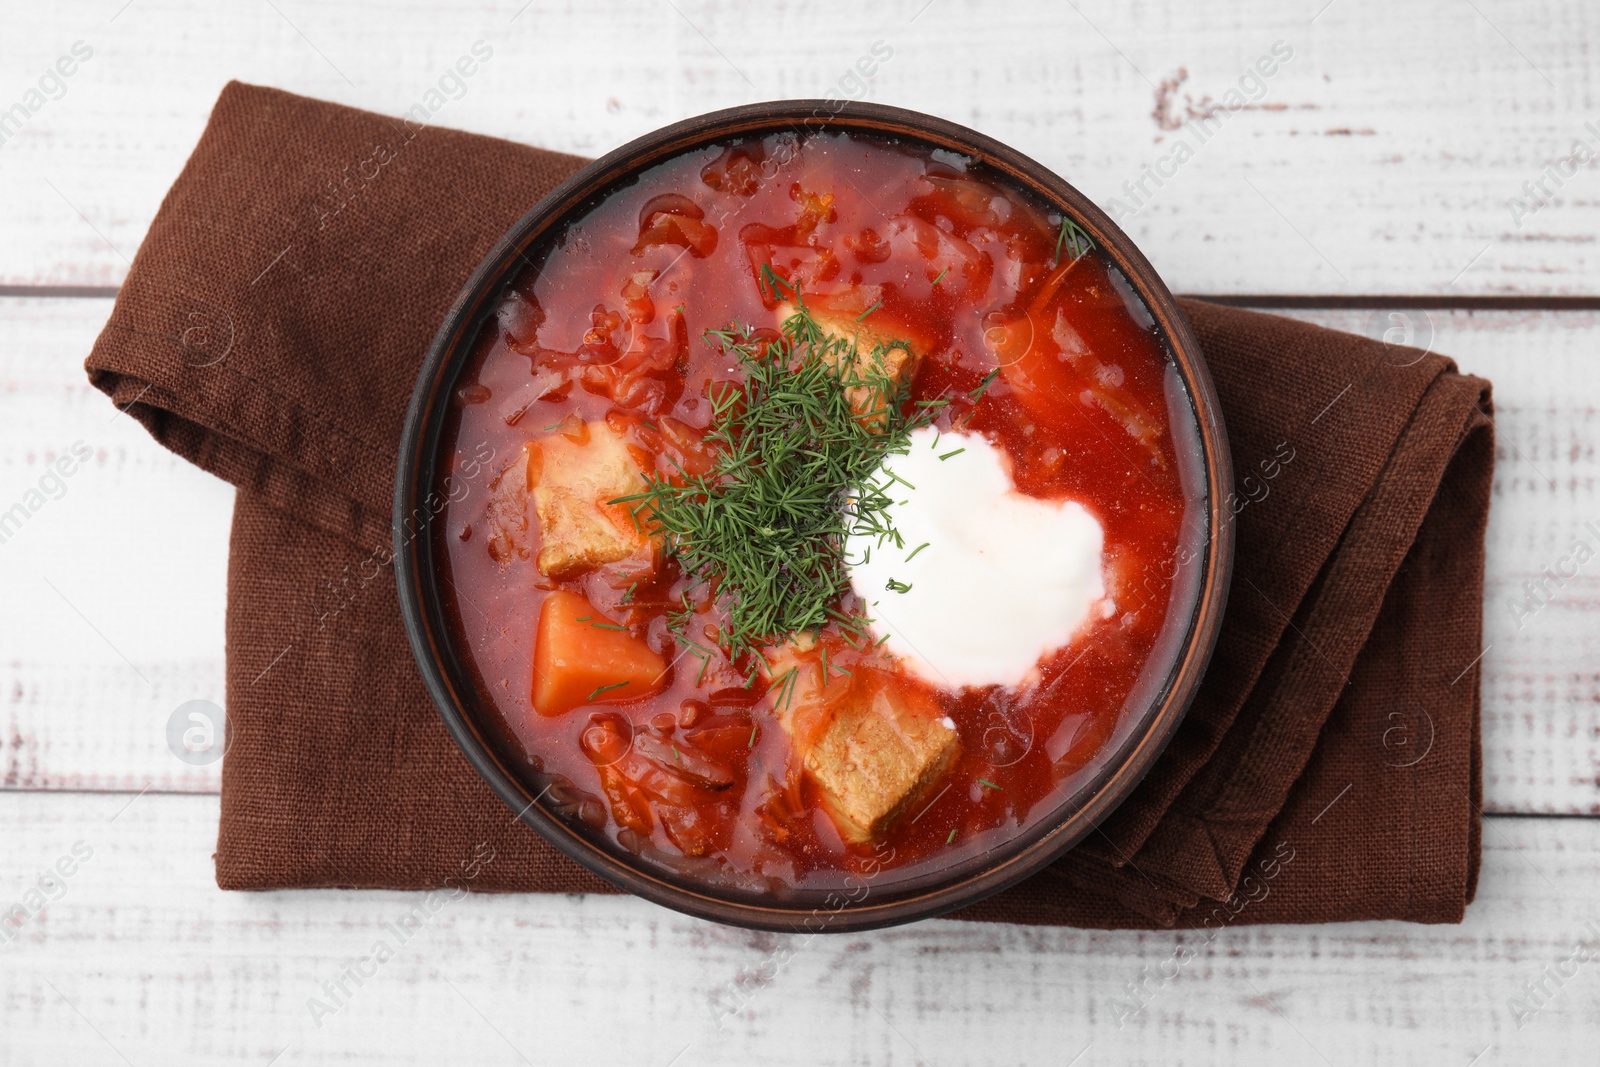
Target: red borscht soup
{"points": [[818, 508]]}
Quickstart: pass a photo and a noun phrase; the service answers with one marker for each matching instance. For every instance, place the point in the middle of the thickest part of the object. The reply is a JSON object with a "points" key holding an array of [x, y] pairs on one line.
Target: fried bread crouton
{"points": [[872, 745], [880, 753], [876, 349], [574, 475]]}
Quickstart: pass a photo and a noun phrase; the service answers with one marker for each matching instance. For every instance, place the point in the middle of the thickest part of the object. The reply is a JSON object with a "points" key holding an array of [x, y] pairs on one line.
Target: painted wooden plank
{"points": [[140, 956], [1541, 691], [1391, 149], [123, 577], [114, 581]]}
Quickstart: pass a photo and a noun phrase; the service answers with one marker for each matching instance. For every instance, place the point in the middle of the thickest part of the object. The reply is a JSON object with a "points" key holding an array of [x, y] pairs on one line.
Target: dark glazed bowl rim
{"points": [[457, 698]]}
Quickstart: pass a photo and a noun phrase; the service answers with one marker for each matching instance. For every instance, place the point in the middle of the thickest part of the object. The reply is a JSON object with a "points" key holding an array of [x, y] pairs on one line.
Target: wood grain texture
{"points": [[114, 586], [138, 544], [1380, 160], [1381, 157], [1541, 684], [141, 956]]}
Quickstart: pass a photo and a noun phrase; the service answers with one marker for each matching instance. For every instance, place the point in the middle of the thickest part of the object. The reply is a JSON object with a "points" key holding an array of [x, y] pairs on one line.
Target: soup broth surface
{"points": [[609, 354]]}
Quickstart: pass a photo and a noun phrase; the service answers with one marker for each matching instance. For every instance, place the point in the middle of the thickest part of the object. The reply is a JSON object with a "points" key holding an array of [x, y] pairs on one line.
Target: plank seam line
{"points": [[1410, 301], [1267, 301], [45, 790], [70, 292]]}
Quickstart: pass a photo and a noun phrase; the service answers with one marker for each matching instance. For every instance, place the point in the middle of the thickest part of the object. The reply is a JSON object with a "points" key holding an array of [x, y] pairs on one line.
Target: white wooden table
{"points": [[1373, 174]]}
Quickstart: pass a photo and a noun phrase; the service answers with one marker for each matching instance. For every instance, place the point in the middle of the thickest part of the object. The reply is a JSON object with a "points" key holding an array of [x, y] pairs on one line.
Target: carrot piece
{"points": [[580, 657]]}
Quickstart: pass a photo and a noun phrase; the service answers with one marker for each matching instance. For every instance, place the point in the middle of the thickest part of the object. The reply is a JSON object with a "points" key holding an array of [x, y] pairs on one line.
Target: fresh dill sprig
{"points": [[1073, 239], [798, 472], [771, 285], [697, 650], [783, 688]]}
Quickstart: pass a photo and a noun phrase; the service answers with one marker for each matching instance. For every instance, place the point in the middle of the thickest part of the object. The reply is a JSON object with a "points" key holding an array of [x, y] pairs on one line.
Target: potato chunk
{"points": [[875, 347], [581, 657], [873, 745], [573, 475]]}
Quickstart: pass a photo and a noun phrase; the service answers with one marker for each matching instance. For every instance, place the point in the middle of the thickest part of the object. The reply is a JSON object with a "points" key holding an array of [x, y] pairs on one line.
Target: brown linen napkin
{"points": [[270, 331]]}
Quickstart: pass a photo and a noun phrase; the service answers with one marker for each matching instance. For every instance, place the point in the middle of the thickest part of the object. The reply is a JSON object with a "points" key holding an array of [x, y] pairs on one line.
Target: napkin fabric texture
{"points": [[270, 331]]}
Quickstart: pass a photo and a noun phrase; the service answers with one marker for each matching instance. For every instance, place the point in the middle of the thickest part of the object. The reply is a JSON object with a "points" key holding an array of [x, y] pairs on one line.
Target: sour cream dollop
{"points": [[1004, 580]]}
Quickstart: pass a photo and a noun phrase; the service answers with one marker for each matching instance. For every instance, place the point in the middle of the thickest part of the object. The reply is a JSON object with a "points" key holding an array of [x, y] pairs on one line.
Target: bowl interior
{"points": [[548, 805]]}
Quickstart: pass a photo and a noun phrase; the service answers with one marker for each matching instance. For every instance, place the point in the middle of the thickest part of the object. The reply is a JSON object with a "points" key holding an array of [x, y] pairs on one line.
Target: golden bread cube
{"points": [[574, 476], [894, 361], [873, 745]]}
